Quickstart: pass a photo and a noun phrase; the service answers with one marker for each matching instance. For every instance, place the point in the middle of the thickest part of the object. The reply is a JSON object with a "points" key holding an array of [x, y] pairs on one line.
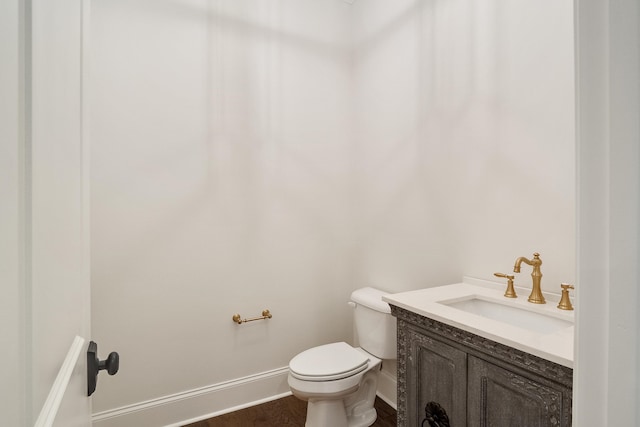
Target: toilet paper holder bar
{"points": [[266, 314]]}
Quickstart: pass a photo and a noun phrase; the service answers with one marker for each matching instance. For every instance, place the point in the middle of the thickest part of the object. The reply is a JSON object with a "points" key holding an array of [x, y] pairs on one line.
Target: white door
{"points": [[44, 215], [59, 235], [59, 197]]}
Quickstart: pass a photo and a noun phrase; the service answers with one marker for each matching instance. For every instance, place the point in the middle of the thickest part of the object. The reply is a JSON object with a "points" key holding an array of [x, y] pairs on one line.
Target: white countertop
{"points": [[554, 346]]}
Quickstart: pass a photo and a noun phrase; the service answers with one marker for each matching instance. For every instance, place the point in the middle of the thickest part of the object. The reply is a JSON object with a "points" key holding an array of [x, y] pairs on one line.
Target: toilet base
{"points": [[326, 413], [354, 410]]}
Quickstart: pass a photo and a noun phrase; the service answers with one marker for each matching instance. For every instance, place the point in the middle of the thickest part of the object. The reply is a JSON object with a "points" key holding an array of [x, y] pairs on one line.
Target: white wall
{"points": [[278, 154], [465, 140], [221, 176]]}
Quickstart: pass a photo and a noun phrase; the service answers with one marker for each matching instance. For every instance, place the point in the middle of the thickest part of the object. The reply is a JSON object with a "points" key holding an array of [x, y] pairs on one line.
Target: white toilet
{"points": [[339, 381]]}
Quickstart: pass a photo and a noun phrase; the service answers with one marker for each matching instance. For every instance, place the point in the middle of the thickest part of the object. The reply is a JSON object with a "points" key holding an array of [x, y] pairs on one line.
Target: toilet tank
{"points": [[374, 325]]}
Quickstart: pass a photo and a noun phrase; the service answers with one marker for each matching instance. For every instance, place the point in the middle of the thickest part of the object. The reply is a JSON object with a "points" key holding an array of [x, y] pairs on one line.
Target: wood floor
{"points": [[288, 411]]}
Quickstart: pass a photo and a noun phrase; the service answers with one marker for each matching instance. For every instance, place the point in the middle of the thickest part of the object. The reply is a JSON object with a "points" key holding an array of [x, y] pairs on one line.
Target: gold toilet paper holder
{"points": [[266, 314]]}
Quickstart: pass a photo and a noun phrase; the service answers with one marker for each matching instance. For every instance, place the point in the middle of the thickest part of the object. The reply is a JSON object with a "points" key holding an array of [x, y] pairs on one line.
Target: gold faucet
{"points": [[536, 296]]}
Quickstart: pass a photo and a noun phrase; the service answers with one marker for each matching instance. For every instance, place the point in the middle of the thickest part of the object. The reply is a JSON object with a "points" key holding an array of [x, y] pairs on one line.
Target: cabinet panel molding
{"points": [[436, 372], [498, 397]]}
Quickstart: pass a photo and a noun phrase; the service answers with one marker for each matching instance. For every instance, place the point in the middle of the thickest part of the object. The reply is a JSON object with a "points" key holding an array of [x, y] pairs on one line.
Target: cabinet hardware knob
{"points": [[435, 415]]}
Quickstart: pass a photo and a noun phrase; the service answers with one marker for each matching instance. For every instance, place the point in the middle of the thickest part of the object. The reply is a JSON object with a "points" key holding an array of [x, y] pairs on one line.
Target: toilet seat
{"points": [[328, 362]]}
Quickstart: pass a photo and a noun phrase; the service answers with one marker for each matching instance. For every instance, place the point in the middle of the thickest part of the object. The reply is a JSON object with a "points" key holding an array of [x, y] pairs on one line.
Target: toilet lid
{"points": [[328, 362]]}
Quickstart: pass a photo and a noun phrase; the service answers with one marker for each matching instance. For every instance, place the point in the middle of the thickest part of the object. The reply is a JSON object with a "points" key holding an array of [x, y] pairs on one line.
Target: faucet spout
{"points": [[536, 296]]}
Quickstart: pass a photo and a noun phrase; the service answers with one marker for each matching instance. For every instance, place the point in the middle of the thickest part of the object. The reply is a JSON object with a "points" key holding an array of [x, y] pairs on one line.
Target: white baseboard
{"points": [[217, 399], [199, 404]]}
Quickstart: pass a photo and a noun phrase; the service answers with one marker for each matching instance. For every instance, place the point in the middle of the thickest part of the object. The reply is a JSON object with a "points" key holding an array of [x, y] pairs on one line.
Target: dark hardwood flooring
{"points": [[288, 411]]}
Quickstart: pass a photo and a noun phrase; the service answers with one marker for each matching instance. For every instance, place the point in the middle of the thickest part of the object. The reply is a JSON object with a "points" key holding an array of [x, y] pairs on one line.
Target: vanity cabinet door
{"points": [[500, 398], [436, 372]]}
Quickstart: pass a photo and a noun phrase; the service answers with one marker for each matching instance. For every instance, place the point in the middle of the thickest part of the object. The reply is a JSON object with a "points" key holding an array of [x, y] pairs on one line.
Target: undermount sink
{"points": [[510, 314], [479, 307]]}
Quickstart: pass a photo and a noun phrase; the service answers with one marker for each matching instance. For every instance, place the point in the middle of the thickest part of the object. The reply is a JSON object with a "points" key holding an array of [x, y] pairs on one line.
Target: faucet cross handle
{"points": [[510, 292], [565, 301]]}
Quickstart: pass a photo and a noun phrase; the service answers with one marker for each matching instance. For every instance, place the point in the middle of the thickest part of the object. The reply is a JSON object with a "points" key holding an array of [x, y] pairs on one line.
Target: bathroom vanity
{"points": [[475, 364]]}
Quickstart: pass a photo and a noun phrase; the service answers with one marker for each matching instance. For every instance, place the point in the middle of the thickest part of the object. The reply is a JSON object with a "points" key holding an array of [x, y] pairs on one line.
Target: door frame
{"points": [[13, 404], [607, 51]]}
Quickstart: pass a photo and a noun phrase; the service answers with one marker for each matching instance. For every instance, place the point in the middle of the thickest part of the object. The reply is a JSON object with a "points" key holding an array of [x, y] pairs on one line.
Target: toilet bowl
{"points": [[339, 381]]}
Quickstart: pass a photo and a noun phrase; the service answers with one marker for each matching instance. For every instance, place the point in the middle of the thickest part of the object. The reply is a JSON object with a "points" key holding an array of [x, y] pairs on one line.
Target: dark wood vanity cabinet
{"points": [[478, 382]]}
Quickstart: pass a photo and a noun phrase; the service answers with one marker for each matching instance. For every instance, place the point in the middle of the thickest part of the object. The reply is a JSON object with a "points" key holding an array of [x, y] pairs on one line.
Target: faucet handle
{"points": [[565, 301], [510, 292]]}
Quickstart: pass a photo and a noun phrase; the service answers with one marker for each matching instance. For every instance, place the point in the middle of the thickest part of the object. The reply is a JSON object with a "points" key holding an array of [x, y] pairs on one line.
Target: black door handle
{"points": [[95, 365]]}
